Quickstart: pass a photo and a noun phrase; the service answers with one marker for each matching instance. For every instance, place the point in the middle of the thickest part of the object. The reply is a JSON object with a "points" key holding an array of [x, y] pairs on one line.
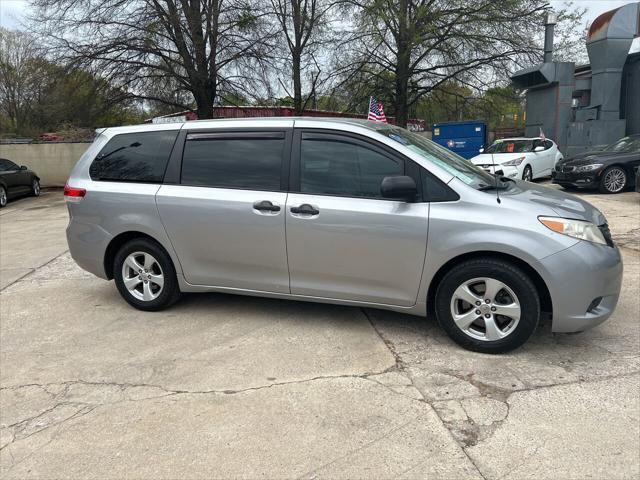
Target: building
{"points": [[590, 105]]}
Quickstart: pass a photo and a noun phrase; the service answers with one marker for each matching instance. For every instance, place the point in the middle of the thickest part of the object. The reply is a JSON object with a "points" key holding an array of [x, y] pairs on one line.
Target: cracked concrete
{"points": [[224, 386]]}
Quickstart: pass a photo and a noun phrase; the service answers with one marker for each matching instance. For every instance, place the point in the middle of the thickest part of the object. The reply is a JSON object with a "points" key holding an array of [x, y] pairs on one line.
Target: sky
{"points": [[12, 12]]}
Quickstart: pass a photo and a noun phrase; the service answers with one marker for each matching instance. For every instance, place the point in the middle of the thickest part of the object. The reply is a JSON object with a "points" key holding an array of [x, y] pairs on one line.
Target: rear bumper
{"points": [[87, 246], [584, 179], [577, 277]]}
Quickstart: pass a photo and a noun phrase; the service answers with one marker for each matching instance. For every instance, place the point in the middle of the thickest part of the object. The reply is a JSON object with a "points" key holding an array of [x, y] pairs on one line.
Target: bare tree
{"points": [[413, 46], [200, 46], [18, 76], [305, 30]]}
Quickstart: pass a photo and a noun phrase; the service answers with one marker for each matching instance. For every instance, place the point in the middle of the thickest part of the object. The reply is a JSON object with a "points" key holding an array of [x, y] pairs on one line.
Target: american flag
{"points": [[542, 137], [376, 111]]}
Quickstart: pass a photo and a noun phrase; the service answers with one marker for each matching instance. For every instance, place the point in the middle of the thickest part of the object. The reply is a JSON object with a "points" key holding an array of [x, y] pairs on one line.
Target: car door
{"points": [[344, 241], [225, 217], [551, 150], [538, 159]]}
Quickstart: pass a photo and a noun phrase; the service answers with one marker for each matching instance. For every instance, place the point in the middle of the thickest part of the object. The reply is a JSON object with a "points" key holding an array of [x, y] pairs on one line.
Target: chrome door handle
{"points": [[266, 206], [305, 209]]}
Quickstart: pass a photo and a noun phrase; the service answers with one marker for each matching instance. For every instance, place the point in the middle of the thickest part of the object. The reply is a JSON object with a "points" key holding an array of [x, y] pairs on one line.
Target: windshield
{"points": [[624, 145], [510, 146], [440, 156]]}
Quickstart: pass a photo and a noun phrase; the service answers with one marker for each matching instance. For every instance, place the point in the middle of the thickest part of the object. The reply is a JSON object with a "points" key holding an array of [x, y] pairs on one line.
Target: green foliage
{"points": [[40, 96], [498, 106]]}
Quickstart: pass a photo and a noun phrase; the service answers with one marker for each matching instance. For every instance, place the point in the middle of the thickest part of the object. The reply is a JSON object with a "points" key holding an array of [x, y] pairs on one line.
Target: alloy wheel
{"points": [[142, 276], [3, 197], [527, 175], [485, 309], [614, 180], [36, 188]]}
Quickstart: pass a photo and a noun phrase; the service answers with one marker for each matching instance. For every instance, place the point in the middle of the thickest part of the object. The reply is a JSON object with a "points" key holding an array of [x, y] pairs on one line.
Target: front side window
{"points": [[329, 166], [134, 157], [7, 165], [624, 145], [233, 162]]}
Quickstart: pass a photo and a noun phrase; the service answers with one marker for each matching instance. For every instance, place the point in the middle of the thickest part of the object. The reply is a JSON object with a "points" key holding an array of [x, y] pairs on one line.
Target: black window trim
{"points": [[174, 167], [411, 168], [145, 182]]}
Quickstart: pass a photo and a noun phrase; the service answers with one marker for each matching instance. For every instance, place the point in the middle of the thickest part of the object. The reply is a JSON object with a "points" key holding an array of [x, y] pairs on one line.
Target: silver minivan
{"points": [[338, 211]]}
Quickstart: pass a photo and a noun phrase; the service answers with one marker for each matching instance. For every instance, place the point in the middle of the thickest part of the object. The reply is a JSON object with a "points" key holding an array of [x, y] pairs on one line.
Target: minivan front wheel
{"points": [[145, 276], [487, 305]]}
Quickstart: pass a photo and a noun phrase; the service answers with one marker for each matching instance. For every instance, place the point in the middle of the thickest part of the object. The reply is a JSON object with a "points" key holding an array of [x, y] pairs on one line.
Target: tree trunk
{"points": [[297, 83], [204, 103], [403, 60]]}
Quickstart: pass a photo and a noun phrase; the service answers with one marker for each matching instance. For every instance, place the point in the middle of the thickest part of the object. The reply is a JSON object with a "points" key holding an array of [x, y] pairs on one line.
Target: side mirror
{"points": [[539, 148], [23, 167], [399, 187], [481, 150]]}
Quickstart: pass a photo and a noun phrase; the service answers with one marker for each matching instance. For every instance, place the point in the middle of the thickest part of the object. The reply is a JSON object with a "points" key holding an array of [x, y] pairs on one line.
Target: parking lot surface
{"points": [[228, 386]]}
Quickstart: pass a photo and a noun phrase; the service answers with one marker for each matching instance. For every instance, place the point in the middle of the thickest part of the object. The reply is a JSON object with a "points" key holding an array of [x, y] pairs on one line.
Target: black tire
{"points": [[505, 272], [527, 174], [35, 187], [3, 197], [170, 291], [609, 171]]}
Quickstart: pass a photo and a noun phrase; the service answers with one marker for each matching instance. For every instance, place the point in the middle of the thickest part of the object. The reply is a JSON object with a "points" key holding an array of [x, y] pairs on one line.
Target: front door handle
{"points": [[305, 209], [266, 206]]}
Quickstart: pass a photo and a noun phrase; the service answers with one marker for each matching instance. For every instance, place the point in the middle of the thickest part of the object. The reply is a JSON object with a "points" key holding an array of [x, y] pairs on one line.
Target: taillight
{"points": [[72, 194]]}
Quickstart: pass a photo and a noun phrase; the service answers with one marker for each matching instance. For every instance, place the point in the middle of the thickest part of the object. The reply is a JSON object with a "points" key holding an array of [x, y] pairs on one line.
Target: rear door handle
{"points": [[266, 206], [305, 209]]}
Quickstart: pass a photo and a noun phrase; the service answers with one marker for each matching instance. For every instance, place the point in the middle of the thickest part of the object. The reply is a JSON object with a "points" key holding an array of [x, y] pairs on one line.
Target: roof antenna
{"points": [[495, 177]]}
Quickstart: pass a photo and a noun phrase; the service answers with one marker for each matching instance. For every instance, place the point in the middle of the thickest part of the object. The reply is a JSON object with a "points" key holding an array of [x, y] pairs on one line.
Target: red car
{"points": [[51, 137]]}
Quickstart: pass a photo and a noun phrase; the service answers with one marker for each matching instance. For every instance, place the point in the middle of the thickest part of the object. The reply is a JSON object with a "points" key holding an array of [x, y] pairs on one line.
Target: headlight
{"points": [[515, 162], [574, 228], [588, 168]]}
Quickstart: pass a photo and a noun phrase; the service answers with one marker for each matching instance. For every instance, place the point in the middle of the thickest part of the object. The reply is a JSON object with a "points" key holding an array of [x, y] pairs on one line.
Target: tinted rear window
{"points": [[243, 163], [134, 157]]}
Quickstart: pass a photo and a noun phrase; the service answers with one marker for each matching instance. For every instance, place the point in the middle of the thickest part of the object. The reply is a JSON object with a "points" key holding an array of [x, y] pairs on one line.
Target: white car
{"points": [[525, 158]]}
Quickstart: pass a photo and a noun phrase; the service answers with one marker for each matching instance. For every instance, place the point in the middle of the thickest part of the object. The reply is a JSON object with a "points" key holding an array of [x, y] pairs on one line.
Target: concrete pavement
{"points": [[226, 386]]}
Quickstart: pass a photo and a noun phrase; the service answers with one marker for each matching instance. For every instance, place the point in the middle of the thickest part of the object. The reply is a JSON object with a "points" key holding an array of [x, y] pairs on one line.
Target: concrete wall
{"points": [[52, 162]]}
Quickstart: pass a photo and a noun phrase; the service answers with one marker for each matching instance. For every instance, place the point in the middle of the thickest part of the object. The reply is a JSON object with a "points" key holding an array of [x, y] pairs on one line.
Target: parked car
{"points": [[525, 158], [610, 170], [51, 137], [337, 211], [16, 181]]}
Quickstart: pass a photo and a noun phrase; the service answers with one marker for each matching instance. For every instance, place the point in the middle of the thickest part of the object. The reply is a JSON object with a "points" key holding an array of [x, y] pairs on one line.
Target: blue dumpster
{"points": [[463, 138]]}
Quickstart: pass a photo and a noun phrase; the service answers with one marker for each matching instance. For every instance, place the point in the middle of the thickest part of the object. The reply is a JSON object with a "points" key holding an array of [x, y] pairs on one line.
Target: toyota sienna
{"points": [[338, 211]]}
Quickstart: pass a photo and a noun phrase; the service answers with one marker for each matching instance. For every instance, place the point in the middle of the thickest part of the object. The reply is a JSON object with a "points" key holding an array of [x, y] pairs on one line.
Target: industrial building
{"points": [[581, 107]]}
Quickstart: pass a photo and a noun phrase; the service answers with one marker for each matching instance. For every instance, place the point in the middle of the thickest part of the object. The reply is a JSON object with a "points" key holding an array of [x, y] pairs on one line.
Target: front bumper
{"points": [[502, 170], [582, 179], [577, 277]]}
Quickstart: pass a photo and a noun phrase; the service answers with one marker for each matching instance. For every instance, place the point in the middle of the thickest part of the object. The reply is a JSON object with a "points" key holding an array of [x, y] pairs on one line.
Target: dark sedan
{"points": [[610, 170], [16, 181]]}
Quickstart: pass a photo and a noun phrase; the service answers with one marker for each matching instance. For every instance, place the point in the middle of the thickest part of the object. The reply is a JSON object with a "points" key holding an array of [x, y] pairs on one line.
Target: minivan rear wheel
{"points": [[487, 305], [145, 275]]}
